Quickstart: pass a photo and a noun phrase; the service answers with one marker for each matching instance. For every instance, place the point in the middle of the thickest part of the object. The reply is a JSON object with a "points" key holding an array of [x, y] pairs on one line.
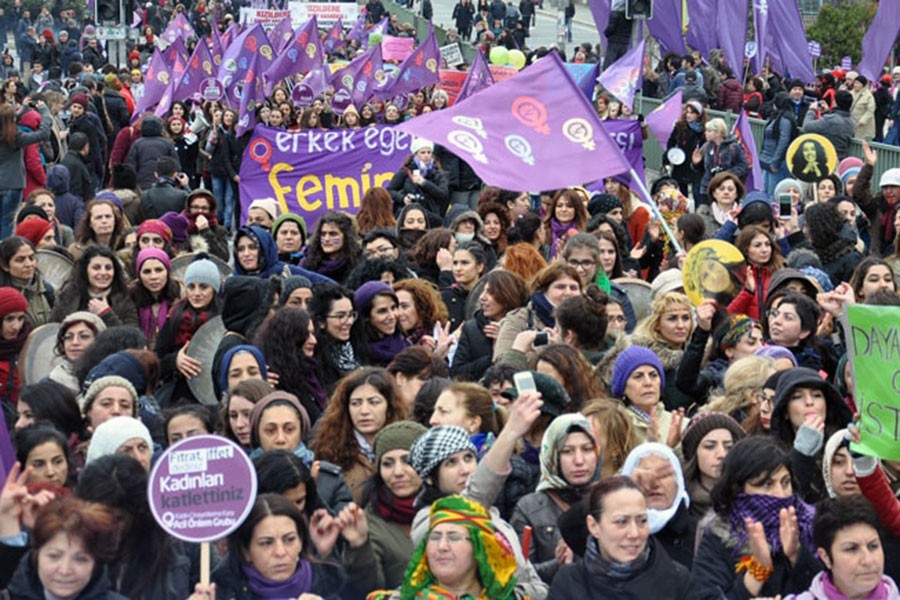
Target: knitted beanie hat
{"points": [[122, 363], [301, 223], [155, 226], [203, 271], [179, 225], [493, 554], [12, 300], [86, 317], [291, 284], [600, 204], [33, 230], [31, 210], [436, 445], [269, 205], [366, 293], [111, 434], [87, 398], [629, 360], [701, 425], [148, 253], [396, 436]]}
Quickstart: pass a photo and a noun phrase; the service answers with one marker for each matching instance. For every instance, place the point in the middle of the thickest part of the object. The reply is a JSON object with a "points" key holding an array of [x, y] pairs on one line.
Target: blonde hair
{"points": [[649, 326], [614, 427], [743, 379], [718, 125]]}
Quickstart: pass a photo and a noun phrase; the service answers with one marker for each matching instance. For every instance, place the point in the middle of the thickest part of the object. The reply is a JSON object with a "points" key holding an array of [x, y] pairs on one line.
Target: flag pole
{"points": [[654, 209]]}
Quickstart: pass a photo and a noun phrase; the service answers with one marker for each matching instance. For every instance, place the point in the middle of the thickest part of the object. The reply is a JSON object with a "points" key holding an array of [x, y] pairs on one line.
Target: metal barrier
{"points": [[888, 156]]}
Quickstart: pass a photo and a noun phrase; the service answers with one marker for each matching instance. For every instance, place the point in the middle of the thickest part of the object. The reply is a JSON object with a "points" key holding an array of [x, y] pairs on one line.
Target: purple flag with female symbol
{"points": [[156, 80], [303, 53], [199, 67], [731, 23], [280, 35], [535, 131], [179, 27], [357, 82], [478, 78], [252, 95], [215, 47], [237, 57], [662, 120], [623, 78], [879, 39], [418, 70], [174, 51], [334, 39]]}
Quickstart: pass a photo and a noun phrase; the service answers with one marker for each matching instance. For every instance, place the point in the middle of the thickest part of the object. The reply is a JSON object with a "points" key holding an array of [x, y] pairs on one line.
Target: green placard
{"points": [[873, 340]]}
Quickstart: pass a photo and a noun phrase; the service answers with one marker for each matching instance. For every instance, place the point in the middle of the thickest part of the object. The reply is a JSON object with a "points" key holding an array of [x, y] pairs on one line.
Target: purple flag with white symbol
{"points": [[665, 25], [418, 70], [358, 81], [303, 53], [252, 95], [879, 39], [701, 32], [662, 120], [378, 29], [228, 36], [760, 34], [156, 81], [334, 39], [479, 77], [744, 135], [238, 56], [179, 27], [623, 78], [216, 49], [535, 131], [199, 67], [788, 41], [731, 23], [600, 10], [281, 35]]}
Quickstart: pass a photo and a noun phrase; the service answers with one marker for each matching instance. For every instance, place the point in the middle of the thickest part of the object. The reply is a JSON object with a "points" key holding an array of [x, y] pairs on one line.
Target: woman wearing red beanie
{"points": [[14, 330]]}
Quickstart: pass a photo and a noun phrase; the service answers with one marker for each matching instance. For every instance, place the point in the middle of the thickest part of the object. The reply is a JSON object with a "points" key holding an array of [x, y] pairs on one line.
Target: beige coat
{"points": [[863, 113]]}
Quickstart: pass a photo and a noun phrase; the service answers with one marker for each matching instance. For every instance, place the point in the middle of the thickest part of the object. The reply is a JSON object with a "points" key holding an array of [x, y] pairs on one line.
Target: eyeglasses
{"points": [[764, 399], [343, 316], [84, 337], [581, 264], [451, 536], [379, 251]]}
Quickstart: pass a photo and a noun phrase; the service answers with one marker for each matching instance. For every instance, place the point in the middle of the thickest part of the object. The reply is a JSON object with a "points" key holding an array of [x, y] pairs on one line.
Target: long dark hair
{"points": [[351, 249], [279, 471], [8, 249], [269, 505], [78, 287], [753, 458], [55, 403]]}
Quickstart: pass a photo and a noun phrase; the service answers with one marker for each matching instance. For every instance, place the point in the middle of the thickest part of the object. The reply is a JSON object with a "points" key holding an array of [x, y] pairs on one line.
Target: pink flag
{"points": [[156, 81], [745, 136], [623, 78], [478, 78], [536, 131], [662, 120], [252, 96]]}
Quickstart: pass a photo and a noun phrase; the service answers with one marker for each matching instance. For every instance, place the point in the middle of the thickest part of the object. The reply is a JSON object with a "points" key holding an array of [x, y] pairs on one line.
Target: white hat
{"points": [[270, 205], [419, 143], [111, 434], [896, 71], [667, 281], [890, 177]]}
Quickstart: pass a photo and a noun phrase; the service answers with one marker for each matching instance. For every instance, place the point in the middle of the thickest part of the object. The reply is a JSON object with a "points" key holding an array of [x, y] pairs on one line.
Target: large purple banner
{"points": [[311, 172]]}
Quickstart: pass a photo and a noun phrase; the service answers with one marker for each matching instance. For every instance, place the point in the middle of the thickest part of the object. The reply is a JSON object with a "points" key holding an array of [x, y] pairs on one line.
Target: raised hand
{"points": [[759, 546], [324, 531], [706, 310], [750, 280], [869, 154], [675, 428], [354, 525], [789, 532]]}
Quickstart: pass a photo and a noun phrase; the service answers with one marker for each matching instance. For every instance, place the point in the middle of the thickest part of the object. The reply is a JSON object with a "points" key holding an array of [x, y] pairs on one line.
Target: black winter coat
{"points": [[117, 110], [433, 194], [661, 579], [475, 350], [145, 151], [26, 585]]}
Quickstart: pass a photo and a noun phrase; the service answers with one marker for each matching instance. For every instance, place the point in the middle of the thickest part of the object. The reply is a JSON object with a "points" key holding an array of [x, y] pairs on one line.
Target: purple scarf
{"points": [[332, 267], [148, 326], [559, 232], [766, 510], [298, 583], [383, 351], [313, 384]]}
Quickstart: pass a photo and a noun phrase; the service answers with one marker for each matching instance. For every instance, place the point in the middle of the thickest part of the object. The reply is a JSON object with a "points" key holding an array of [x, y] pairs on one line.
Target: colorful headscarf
{"points": [[493, 555], [729, 335], [552, 443]]}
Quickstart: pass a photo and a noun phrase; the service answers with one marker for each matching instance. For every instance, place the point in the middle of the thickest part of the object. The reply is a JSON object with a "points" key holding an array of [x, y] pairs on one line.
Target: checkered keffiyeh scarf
{"points": [[436, 445], [766, 510]]}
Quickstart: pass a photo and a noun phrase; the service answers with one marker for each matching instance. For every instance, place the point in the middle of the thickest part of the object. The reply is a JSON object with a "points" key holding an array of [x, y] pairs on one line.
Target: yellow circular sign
{"points": [[811, 157], [713, 269]]}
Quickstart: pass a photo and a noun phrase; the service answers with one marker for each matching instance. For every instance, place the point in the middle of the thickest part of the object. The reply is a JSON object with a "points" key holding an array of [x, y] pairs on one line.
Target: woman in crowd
{"points": [[872, 275], [102, 224], [572, 371], [270, 556], [237, 408], [282, 472], [705, 444], [721, 153], [97, 284], [763, 257], [758, 542], [376, 211], [565, 214], [377, 533], [621, 557], [377, 329], [419, 310], [742, 396], [240, 363], [154, 291], [121, 435], [471, 407], [582, 321], [412, 223], [496, 222], [43, 453], [13, 334], [19, 270], [431, 257], [422, 180], [468, 266], [837, 466], [792, 320], [50, 403], [71, 544], [502, 292], [725, 192], [411, 369], [289, 232], [287, 339], [15, 142], [204, 231], [838, 255], [201, 303], [255, 254], [570, 463], [333, 249], [688, 136], [635, 215], [222, 147], [363, 403], [333, 314], [615, 432]]}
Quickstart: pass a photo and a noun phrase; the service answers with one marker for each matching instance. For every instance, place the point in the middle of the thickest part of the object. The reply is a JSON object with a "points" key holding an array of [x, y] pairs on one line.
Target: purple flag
{"points": [[760, 35], [623, 78], [479, 78], [334, 39], [7, 453], [228, 36], [303, 53], [314, 84], [665, 25], [731, 23], [600, 10], [136, 19], [702, 25], [179, 27], [535, 131], [237, 57], [199, 68], [252, 96], [156, 80], [785, 30], [176, 51], [165, 103], [662, 120], [358, 32], [585, 76], [281, 35], [357, 82], [879, 39], [418, 70], [379, 28], [745, 136]]}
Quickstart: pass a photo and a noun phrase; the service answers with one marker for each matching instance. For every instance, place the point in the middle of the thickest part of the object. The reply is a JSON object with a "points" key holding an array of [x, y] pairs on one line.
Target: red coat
{"points": [[749, 304], [124, 140], [35, 175], [875, 487]]}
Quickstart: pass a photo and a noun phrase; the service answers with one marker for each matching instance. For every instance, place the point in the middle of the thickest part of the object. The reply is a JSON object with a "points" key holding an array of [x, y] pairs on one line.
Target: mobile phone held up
{"points": [[524, 382], [785, 204]]}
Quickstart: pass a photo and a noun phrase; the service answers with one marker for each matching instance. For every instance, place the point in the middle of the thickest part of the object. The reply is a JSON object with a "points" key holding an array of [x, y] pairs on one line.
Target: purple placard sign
{"points": [[211, 90], [202, 488]]}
